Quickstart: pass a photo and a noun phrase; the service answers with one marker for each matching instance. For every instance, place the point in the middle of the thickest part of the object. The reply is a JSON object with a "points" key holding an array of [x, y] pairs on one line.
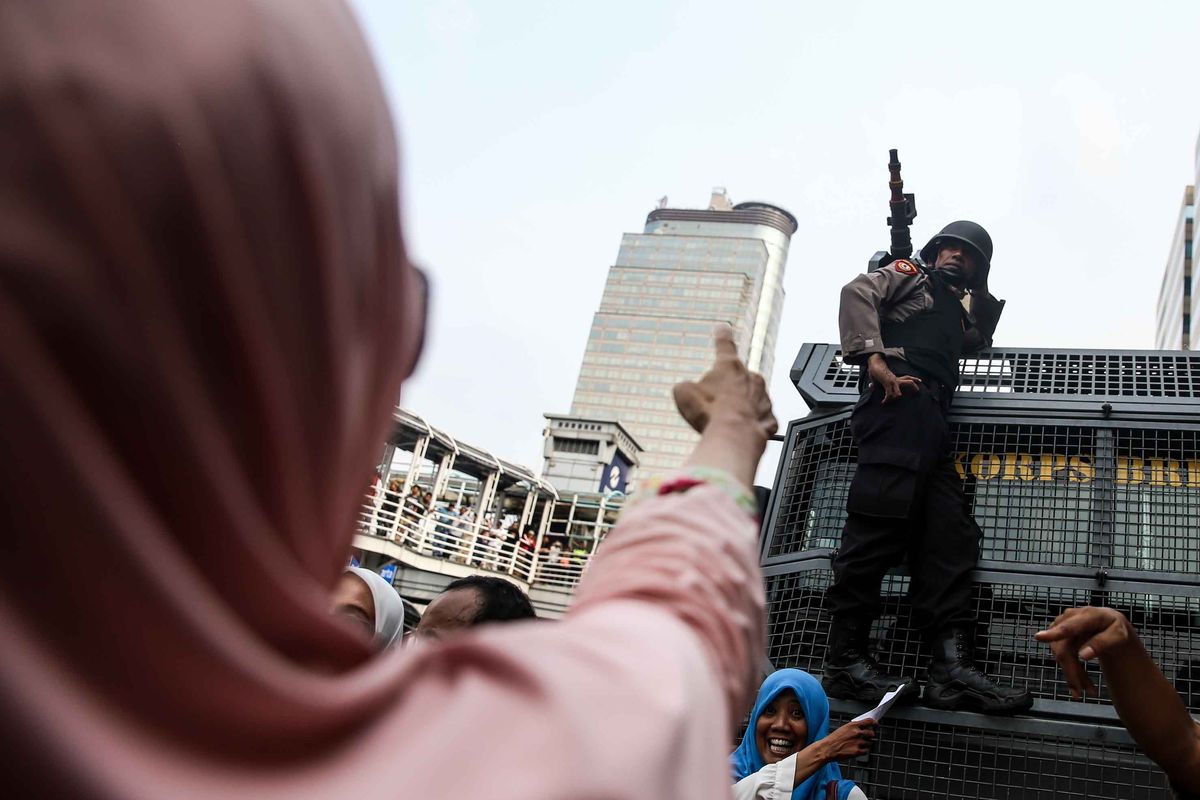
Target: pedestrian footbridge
{"points": [[441, 509]]}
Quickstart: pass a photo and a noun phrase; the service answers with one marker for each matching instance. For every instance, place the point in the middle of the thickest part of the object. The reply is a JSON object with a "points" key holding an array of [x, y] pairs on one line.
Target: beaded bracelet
{"points": [[690, 477]]}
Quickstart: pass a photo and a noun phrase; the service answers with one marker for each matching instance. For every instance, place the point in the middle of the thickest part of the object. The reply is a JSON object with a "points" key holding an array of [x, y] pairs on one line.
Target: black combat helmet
{"points": [[969, 233]]}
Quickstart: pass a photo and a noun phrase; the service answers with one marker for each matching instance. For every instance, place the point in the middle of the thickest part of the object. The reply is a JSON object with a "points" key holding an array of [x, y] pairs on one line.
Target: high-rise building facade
{"points": [[1173, 329], [688, 270], [1173, 318]]}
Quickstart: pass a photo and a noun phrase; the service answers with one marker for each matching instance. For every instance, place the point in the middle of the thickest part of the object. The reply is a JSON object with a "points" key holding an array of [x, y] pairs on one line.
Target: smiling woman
{"points": [[788, 751], [781, 727]]}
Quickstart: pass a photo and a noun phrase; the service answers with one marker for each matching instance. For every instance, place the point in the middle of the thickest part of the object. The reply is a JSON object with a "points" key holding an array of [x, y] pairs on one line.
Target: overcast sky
{"points": [[534, 134]]}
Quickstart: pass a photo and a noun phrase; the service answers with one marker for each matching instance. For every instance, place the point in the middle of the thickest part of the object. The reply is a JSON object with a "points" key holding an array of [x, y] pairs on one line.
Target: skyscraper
{"points": [[688, 270], [1173, 328], [1173, 318]]}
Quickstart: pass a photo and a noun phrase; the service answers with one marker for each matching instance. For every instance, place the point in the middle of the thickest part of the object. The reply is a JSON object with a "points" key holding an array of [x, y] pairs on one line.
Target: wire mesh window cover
{"points": [[583, 446], [1147, 374], [1046, 494], [921, 760], [1009, 611]]}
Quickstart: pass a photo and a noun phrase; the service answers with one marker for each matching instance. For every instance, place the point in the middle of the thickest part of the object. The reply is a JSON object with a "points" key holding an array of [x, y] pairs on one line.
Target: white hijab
{"points": [[389, 608]]}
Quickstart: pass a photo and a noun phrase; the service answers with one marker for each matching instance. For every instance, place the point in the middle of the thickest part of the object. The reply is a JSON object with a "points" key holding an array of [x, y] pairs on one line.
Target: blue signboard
{"points": [[615, 475], [388, 572]]}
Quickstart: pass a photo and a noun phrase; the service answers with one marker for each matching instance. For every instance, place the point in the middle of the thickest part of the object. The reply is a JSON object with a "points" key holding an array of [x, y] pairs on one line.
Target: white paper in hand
{"points": [[878, 711]]}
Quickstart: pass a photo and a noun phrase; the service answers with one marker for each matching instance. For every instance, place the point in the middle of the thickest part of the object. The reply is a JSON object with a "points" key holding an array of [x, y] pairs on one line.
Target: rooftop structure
{"points": [[583, 455]]}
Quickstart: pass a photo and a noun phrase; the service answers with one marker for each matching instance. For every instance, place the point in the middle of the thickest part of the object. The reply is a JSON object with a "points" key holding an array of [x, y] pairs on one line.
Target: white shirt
{"points": [[775, 782]]}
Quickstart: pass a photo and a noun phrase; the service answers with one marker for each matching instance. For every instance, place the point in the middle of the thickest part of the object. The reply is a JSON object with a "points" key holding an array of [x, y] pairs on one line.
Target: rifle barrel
{"points": [[901, 214]]}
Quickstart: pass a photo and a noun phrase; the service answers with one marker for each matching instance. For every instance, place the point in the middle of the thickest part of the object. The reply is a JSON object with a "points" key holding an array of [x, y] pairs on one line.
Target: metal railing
{"points": [[469, 542]]}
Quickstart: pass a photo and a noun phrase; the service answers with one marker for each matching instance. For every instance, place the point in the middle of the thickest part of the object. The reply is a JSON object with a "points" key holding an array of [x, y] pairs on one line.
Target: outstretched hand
{"points": [[728, 391], [731, 410], [1084, 634]]}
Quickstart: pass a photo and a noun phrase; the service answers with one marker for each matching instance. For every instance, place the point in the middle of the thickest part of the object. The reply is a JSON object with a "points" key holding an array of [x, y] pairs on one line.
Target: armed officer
{"points": [[906, 325]]}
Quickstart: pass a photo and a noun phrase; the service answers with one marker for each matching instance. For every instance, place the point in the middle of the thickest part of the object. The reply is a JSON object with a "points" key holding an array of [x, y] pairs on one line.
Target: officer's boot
{"points": [[850, 671], [954, 682]]}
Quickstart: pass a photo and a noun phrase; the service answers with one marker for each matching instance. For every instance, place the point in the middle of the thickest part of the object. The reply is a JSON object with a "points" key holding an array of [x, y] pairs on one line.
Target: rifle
{"points": [[903, 207]]}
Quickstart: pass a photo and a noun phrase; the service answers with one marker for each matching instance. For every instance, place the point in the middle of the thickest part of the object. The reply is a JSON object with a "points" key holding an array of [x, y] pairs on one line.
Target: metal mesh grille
{"points": [[1058, 373], [1031, 491], [1109, 374], [1079, 502], [921, 759], [812, 506], [1009, 616], [1010, 611], [1156, 502], [1126, 499], [840, 375]]}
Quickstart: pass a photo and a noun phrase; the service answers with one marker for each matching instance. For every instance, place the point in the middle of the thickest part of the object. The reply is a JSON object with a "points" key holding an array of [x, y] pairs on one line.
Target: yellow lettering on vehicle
{"points": [[1192, 475], [1164, 473], [960, 465], [1051, 466], [1082, 469], [1131, 470], [985, 467], [1018, 467]]}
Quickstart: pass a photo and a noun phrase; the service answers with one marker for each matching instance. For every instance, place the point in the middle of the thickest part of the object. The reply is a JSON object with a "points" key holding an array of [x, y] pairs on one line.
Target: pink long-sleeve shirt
{"points": [[632, 695]]}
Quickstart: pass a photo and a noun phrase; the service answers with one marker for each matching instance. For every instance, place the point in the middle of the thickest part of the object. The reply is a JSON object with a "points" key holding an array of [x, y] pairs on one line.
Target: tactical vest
{"points": [[933, 339]]}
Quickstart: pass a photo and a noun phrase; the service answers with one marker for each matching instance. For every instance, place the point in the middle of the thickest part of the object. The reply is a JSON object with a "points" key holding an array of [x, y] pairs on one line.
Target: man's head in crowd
{"points": [[474, 600]]}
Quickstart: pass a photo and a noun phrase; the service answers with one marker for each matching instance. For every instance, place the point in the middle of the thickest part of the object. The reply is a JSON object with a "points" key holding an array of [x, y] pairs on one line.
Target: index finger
{"points": [[1068, 628], [723, 341]]}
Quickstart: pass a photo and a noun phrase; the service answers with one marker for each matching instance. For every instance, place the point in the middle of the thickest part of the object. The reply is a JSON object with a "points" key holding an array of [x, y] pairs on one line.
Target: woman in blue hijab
{"points": [[788, 751]]}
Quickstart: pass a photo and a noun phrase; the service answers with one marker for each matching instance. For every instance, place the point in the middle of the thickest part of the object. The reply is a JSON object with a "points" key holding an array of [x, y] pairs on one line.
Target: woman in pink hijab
{"points": [[206, 314]]}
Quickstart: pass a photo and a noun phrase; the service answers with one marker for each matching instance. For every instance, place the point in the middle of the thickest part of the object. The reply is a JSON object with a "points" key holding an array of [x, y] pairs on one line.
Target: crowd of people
{"points": [[371, 603], [208, 316], [497, 543]]}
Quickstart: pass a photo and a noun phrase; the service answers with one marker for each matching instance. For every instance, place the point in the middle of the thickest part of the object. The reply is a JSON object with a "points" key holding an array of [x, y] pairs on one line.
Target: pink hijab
{"points": [[206, 314]]}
